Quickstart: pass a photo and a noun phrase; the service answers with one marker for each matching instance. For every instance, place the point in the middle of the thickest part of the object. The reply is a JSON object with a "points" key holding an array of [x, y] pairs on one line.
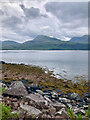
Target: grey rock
{"points": [[39, 91], [36, 100], [61, 112], [47, 99], [16, 89], [30, 110], [69, 106], [64, 100], [76, 97], [85, 107], [58, 105]]}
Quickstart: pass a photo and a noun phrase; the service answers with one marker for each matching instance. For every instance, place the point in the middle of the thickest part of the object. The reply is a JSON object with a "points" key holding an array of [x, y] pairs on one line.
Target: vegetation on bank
{"points": [[47, 81], [5, 113], [72, 116]]}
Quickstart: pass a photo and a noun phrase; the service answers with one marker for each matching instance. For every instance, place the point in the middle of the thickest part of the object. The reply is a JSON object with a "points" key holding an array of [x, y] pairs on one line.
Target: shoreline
{"points": [[38, 75], [31, 93]]}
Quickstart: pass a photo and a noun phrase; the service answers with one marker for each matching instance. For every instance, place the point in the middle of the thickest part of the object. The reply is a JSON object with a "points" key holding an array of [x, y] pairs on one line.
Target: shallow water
{"points": [[67, 64]]}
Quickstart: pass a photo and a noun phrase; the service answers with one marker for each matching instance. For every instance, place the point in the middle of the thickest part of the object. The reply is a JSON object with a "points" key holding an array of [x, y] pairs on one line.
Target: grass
{"points": [[72, 116], [5, 113]]}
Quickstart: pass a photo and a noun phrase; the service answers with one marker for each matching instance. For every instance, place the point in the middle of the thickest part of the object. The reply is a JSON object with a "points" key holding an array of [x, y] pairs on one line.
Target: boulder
{"points": [[16, 89], [58, 105], [31, 111], [36, 100]]}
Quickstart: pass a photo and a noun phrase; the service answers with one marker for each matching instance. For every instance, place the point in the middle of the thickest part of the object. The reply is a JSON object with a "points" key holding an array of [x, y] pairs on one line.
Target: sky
{"points": [[24, 20]]}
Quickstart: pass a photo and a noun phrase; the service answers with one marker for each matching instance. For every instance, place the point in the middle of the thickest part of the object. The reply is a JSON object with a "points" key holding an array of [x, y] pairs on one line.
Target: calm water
{"points": [[66, 63]]}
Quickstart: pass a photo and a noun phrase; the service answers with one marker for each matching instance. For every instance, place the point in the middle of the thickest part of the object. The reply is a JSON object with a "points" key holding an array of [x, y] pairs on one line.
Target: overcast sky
{"points": [[22, 21]]}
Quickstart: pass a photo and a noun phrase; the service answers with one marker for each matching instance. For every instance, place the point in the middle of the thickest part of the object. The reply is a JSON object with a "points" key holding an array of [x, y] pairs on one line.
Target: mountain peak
{"points": [[83, 39]]}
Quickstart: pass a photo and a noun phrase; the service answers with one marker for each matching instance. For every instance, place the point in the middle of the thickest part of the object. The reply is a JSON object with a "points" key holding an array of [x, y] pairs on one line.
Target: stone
{"points": [[58, 105], [64, 100], [54, 94], [16, 89], [30, 110], [52, 110], [36, 99], [61, 112], [86, 95], [39, 91], [85, 107], [47, 99], [44, 116], [69, 106], [35, 87], [26, 103], [76, 97], [82, 112], [75, 109]]}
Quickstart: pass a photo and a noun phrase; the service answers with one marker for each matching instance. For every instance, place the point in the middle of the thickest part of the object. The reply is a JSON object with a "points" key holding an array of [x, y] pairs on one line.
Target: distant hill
{"points": [[42, 42], [8, 44], [83, 39]]}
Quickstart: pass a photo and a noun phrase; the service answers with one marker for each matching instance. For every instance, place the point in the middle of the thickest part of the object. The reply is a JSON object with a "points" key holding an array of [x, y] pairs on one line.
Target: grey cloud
{"points": [[68, 11], [32, 12], [67, 19], [1, 12], [12, 21]]}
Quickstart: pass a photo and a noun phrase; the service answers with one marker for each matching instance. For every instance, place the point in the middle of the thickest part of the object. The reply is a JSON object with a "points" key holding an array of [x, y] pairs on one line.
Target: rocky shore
{"points": [[32, 100]]}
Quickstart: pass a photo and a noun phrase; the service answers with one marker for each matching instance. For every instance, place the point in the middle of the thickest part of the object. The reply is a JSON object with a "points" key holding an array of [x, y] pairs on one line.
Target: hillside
{"points": [[83, 39], [42, 42]]}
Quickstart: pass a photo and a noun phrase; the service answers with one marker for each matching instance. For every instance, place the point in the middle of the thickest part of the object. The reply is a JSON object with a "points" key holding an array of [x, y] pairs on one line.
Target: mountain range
{"points": [[42, 42]]}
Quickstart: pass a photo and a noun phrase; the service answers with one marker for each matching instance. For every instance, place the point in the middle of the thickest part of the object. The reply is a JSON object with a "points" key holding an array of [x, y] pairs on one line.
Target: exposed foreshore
{"points": [[31, 89]]}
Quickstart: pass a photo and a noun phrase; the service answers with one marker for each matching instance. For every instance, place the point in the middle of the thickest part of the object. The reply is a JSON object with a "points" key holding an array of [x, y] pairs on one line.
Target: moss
{"points": [[38, 76]]}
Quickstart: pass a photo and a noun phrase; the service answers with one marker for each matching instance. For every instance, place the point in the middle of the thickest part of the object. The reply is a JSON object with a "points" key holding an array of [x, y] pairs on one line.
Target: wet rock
{"points": [[39, 91], [54, 95], [69, 106], [58, 105], [76, 110], [35, 87], [87, 100], [82, 112], [7, 84], [86, 95], [64, 100], [16, 89], [76, 97], [30, 110], [80, 104], [85, 107]]}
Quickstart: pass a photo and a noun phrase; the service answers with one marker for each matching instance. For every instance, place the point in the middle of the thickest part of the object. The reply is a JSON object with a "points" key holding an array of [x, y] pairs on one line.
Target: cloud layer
{"points": [[24, 21]]}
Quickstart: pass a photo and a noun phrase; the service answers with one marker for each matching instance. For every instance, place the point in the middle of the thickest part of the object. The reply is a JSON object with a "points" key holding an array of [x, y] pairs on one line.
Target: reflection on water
{"points": [[66, 64]]}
